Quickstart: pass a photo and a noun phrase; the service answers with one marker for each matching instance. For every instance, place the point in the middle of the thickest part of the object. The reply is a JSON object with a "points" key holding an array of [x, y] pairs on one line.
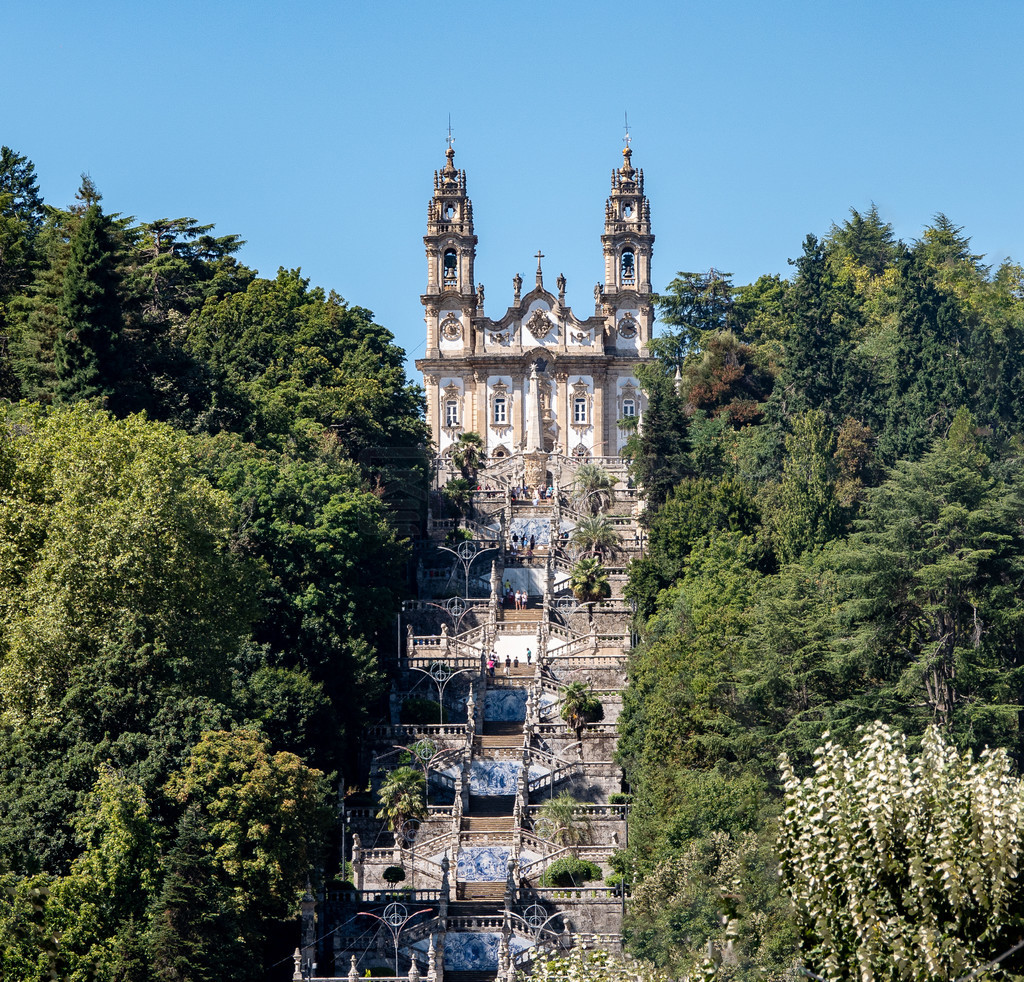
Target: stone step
{"points": [[493, 890], [451, 976], [498, 741], [475, 908], [487, 823], [501, 727], [516, 616]]}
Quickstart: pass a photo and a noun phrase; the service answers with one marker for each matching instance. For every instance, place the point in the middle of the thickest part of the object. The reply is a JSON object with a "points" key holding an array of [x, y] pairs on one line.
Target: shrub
{"points": [[620, 798], [394, 874], [570, 872], [421, 712]]}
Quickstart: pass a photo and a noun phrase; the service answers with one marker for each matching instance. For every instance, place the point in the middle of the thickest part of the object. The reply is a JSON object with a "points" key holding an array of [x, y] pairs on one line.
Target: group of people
{"points": [[527, 548], [510, 662], [536, 495], [519, 598]]}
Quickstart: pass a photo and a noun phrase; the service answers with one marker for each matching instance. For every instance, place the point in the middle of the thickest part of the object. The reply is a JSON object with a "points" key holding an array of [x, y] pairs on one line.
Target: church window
{"points": [[628, 407], [500, 411], [579, 410], [451, 267], [628, 267], [451, 412]]}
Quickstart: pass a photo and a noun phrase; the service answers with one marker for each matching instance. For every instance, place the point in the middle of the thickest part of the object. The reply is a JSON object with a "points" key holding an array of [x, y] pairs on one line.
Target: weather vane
{"points": [[627, 138], [451, 139]]}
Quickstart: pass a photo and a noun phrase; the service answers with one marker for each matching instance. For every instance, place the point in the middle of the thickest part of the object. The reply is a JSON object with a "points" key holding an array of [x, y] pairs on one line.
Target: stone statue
{"points": [[561, 286], [517, 287]]}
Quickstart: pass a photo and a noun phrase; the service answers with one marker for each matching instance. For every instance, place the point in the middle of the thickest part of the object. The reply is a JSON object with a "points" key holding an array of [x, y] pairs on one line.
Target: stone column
{"points": [[561, 399], [518, 410], [534, 438], [599, 420], [480, 407], [357, 860]]}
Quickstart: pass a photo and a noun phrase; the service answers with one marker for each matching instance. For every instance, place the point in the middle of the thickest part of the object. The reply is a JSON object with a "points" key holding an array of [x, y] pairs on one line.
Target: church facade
{"points": [[539, 378]]}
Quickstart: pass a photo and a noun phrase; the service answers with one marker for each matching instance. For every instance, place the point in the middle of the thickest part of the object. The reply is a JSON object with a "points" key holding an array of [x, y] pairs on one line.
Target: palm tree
{"points": [[402, 796], [468, 453], [561, 820], [595, 534], [592, 489], [580, 707], [588, 581]]}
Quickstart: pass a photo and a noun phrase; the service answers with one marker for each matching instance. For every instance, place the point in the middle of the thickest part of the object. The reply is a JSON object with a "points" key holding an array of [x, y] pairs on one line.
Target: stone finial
{"points": [[432, 960], [353, 970], [297, 958], [414, 972]]}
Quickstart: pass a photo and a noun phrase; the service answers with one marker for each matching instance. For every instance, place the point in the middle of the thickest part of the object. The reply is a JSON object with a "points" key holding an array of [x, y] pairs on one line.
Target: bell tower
{"points": [[451, 300], [628, 244]]}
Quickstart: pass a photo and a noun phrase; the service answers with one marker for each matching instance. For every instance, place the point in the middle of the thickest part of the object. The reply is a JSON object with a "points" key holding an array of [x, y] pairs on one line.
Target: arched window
{"points": [[451, 412], [628, 407], [628, 267], [451, 267]]}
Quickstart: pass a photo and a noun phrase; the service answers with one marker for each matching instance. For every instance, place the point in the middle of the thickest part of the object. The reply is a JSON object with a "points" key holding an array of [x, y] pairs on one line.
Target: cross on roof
{"points": [[540, 256], [627, 138], [451, 139]]}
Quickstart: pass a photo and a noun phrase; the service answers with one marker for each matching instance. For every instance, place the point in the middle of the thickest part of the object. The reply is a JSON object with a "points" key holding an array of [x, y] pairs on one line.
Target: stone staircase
{"points": [[492, 892], [475, 853]]}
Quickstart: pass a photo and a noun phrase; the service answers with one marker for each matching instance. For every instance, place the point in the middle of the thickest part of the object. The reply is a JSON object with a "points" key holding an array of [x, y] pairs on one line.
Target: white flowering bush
{"points": [[903, 868]]}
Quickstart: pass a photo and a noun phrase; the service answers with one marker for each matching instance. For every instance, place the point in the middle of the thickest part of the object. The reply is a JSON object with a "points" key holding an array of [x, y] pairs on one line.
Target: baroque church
{"points": [[538, 378]]}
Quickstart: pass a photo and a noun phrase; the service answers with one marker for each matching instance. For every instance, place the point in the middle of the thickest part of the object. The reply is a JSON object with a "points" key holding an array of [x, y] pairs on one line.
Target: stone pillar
{"points": [[600, 433], [308, 921], [480, 407], [442, 910], [357, 860], [431, 961]]}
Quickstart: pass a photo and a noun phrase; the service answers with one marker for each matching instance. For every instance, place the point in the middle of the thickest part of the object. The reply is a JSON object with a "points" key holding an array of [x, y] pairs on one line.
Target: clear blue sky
{"points": [[313, 129]]}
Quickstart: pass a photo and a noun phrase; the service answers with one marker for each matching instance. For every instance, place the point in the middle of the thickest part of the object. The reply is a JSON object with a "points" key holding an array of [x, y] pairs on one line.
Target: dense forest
{"points": [[832, 467], [206, 483]]}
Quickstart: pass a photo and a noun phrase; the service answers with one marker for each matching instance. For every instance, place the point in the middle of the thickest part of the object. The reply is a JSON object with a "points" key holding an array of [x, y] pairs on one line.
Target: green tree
{"points": [[696, 304], [87, 352], [402, 797], [595, 535], [580, 707], [933, 892], [564, 820], [21, 218], [98, 910], [193, 933], [588, 580], [593, 489], [802, 511], [467, 454], [265, 814], [114, 547], [932, 610]]}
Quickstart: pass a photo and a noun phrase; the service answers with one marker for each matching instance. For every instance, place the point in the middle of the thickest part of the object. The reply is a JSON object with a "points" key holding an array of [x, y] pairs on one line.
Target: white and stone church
{"points": [[538, 378]]}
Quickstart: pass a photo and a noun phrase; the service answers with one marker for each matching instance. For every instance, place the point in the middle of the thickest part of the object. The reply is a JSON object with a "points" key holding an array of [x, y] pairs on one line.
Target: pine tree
{"points": [[193, 936], [86, 349]]}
